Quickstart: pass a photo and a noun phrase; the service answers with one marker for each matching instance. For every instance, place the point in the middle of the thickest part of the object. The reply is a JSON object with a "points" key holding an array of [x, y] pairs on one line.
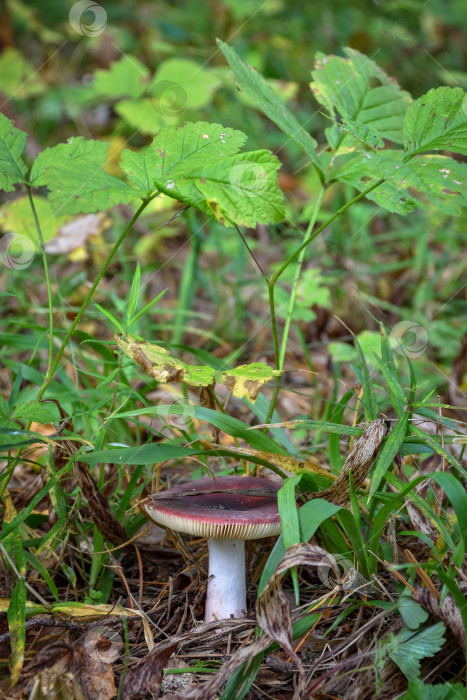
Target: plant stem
{"points": [[298, 269], [47, 278], [273, 280], [102, 271], [310, 238]]}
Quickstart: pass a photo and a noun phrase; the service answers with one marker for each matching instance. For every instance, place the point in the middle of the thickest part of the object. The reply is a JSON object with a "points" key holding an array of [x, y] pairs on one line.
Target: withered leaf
{"points": [[243, 381], [160, 365], [101, 514], [272, 608], [95, 677], [291, 464], [247, 380], [145, 677], [358, 462]]}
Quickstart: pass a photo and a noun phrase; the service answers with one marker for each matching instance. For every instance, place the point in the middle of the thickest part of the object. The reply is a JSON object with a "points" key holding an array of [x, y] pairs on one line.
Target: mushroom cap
{"points": [[224, 514]]}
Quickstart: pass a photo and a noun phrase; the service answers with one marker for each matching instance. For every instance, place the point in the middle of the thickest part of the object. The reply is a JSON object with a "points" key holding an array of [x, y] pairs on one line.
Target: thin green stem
{"points": [[310, 238], [47, 278], [275, 335], [298, 268], [273, 280], [52, 369]]}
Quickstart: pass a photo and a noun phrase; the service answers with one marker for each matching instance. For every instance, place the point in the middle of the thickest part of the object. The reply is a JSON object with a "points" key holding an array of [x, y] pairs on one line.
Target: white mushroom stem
{"points": [[226, 594]]}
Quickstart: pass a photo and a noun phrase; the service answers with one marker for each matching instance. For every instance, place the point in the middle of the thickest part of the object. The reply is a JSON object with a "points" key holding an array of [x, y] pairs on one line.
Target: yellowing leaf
{"points": [[291, 464], [247, 380], [159, 364]]}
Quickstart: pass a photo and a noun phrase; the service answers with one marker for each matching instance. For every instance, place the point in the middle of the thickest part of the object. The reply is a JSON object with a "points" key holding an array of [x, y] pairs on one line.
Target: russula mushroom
{"points": [[227, 510]]}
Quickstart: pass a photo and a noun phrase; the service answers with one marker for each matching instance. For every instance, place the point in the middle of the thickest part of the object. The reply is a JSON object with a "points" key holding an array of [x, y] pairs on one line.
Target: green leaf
{"points": [[406, 648], [290, 525], [444, 691], [38, 565], [20, 79], [437, 179], [199, 164], [181, 84], [347, 85], [228, 424], [73, 172], [40, 412], [388, 368], [387, 454], [442, 180], [142, 114], [240, 189], [128, 76], [412, 613], [12, 143], [178, 145], [16, 617], [263, 96], [311, 515], [362, 132], [369, 398], [437, 121], [134, 293]]}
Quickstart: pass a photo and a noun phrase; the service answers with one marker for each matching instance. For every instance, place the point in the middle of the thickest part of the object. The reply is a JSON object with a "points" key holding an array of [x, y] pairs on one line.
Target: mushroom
{"points": [[227, 510]]}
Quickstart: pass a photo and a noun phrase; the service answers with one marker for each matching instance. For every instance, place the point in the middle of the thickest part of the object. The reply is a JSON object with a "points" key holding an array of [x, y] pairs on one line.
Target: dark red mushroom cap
{"points": [[228, 507]]}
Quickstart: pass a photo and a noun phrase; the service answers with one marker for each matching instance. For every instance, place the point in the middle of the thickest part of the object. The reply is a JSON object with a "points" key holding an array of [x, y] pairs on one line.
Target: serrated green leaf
{"points": [[12, 143], [362, 132], [126, 77], [177, 145], [73, 173], [263, 96], [407, 648], [445, 691], [347, 84], [437, 179], [437, 121], [40, 412], [443, 181], [199, 164], [239, 189]]}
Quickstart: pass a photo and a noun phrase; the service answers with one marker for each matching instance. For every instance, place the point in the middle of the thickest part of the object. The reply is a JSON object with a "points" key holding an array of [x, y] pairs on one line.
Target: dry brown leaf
{"points": [[420, 521], [146, 676], [74, 234], [95, 676], [358, 462], [102, 516]]}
